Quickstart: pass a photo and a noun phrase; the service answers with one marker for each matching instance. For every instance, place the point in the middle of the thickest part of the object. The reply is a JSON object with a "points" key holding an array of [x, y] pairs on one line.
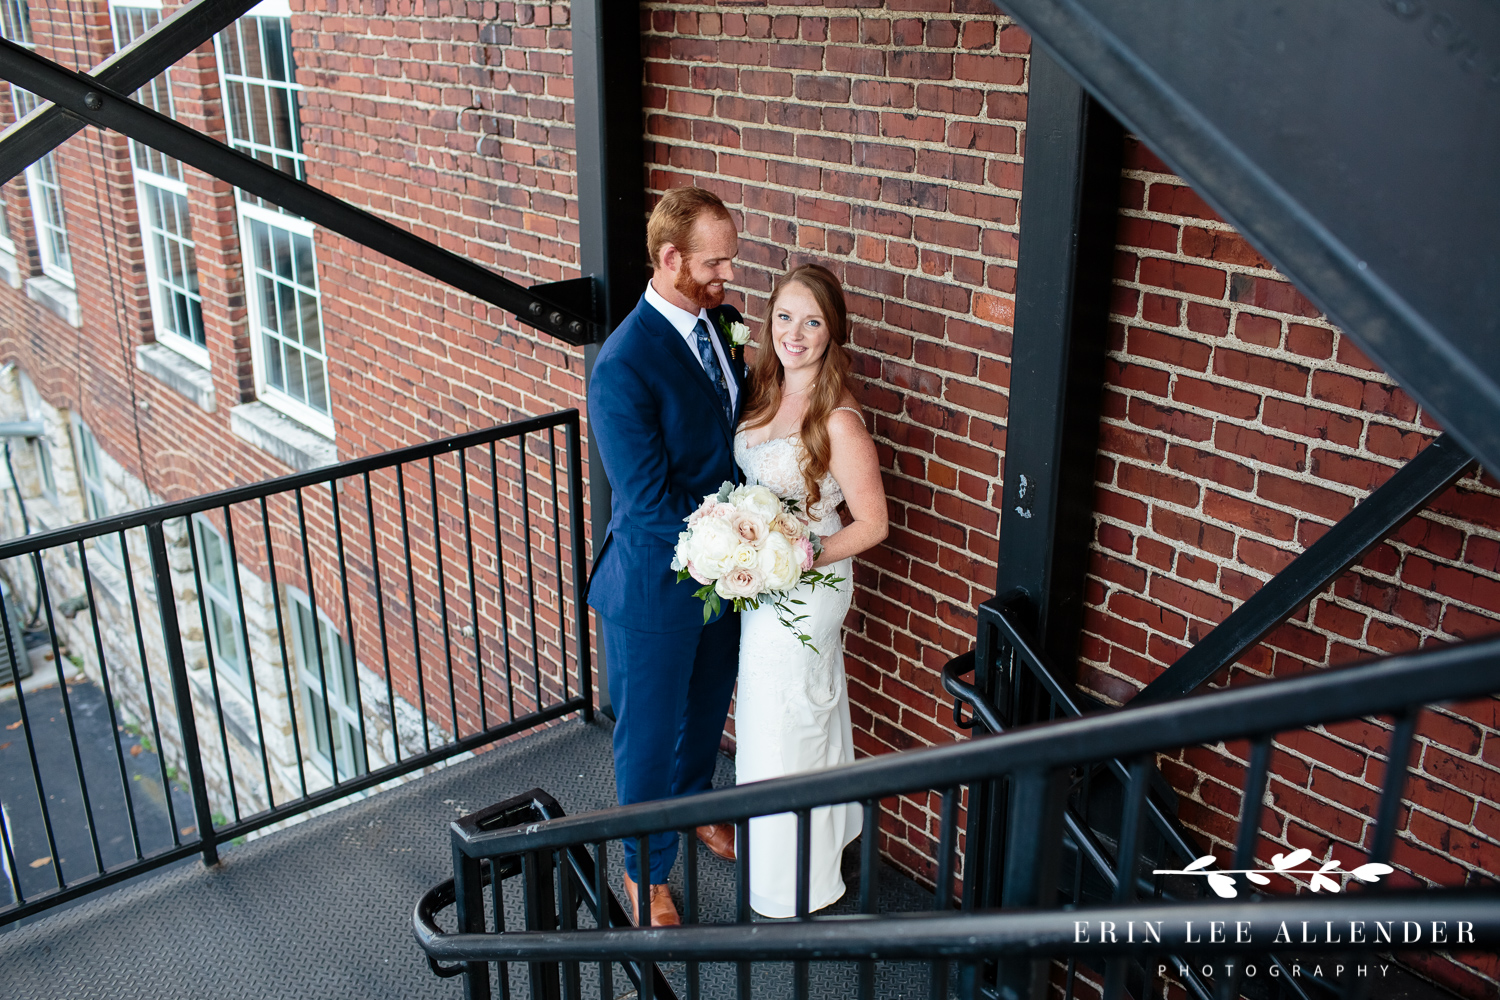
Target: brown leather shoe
{"points": [[719, 838], [663, 910]]}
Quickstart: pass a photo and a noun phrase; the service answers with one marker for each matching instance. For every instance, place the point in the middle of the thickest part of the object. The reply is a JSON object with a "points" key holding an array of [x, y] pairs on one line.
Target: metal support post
{"points": [[607, 80], [1032, 853], [468, 899], [182, 694]]}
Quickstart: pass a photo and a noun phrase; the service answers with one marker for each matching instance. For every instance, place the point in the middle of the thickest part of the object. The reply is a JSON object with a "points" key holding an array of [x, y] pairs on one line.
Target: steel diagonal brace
{"points": [[1412, 488], [86, 99], [126, 72]]}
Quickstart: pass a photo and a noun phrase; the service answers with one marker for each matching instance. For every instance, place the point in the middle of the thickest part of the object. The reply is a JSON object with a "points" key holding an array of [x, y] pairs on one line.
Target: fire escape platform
{"points": [[322, 910]]}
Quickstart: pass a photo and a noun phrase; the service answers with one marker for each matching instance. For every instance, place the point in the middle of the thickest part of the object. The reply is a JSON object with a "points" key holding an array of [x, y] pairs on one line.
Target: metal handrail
{"points": [[188, 723], [1032, 758], [284, 484], [1392, 684]]}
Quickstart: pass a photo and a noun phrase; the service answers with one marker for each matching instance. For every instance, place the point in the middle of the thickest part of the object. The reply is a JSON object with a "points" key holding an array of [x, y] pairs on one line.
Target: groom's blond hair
{"points": [[673, 219]]}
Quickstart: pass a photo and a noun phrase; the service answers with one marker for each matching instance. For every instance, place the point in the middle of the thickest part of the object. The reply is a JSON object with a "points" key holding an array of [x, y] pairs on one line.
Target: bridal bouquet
{"points": [[747, 545]]}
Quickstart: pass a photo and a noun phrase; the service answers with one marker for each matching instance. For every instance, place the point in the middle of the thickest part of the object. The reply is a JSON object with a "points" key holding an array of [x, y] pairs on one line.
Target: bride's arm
{"points": [[855, 464]]}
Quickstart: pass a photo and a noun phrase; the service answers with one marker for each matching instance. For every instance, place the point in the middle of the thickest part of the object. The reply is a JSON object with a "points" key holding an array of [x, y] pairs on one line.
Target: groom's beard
{"points": [[701, 295]]}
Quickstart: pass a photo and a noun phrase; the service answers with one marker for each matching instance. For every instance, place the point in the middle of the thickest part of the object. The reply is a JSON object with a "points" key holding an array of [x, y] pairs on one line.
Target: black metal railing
{"points": [[998, 951], [245, 657]]}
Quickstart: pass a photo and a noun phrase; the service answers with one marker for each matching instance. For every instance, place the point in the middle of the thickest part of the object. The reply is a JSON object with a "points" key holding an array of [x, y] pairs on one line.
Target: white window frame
{"points": [[146, 179], [92, 489], [252, 212], [339, 667], [221, 599]]}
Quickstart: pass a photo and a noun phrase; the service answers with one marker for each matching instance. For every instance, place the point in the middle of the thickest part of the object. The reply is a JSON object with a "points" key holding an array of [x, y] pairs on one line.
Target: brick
{"points": [[1170, 420], [1259, 370], [1191, 278], [1262, 330], [1303, 496], [1217, 397], [1308, 421], [1211, 320], [1207, 466], [1150, 483], [1270, 295], [1176, 351], [1196, 603], [1252, 516], [1261, 447], [1220, 245], [1174, 199]]}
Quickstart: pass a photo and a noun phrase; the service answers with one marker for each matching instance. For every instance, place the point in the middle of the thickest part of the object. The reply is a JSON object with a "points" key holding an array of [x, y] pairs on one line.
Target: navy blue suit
{"points": [[666, 443]]}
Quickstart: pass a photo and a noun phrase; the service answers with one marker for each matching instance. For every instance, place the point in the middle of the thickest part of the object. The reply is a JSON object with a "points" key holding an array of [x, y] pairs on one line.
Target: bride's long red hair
{"points": [[831, 385]]}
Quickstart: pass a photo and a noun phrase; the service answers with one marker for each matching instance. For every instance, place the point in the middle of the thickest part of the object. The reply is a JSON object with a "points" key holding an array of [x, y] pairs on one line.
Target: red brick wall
{"points": [[1239, 425]]}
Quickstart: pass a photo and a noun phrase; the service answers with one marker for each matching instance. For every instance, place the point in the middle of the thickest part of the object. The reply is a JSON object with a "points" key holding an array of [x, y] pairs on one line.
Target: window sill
{"points": [[166, 365], [10, 271], [282, 437], [56, 296]]}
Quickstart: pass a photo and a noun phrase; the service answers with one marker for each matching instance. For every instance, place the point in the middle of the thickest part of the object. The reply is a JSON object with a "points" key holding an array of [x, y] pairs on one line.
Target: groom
{"points": [[663, 402]]}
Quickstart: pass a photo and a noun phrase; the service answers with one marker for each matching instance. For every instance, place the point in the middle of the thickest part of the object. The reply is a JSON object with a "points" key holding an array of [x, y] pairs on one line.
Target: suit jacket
{"points": [[666, 444]]}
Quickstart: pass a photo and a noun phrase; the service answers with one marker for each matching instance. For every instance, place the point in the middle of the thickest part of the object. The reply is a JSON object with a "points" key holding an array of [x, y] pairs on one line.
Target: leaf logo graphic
{"points": [[1222, 882]]}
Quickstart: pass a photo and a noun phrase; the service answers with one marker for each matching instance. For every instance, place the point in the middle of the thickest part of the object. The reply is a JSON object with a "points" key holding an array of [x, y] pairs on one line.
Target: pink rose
{"points": [[752, 528], [697, 574], [742, 581], [804, 549], [790, 525]]}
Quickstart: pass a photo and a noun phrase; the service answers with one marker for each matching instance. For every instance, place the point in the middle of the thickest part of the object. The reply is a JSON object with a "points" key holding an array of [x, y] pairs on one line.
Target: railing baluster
{"points": [[10, 856], [536, 646], [602, 918], [804, 893], [562, 618], [642, 880], [182, 694], [869, 854], [385, 646], [567, 920], [140, 643], [690, 899], [510, 688], [109, 701], [411, 601], [1128, 862], [742, 899], [442, 588], [286, 666], [580, 569], [213, 672], [239, 600], [463, 482], [317, 635], [36, 771], [359, 701], [1397, 762], [1244, 845], [62, 687], [942, 893]]}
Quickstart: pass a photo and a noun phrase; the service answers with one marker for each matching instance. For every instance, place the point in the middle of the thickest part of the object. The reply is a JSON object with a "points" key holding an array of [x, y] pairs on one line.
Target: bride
{"points": [[802, 435]]}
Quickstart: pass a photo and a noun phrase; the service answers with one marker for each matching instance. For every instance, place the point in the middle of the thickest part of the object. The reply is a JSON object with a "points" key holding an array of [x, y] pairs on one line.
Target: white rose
{"points": [[756, 500], [712, 546], [739, 334], [780, 566], [682, 554], [742, 581], [744, 555]]}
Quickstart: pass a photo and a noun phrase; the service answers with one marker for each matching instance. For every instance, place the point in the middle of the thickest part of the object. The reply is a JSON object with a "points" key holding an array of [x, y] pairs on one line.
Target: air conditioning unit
{"points": [[13, 641]]}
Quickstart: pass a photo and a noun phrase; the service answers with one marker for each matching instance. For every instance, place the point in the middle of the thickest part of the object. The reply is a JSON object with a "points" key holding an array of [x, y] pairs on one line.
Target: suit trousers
{"points": [[670, 692]]}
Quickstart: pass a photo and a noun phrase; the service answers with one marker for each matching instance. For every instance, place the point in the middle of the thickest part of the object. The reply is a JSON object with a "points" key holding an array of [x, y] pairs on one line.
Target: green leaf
{"points": [[682, 574]]}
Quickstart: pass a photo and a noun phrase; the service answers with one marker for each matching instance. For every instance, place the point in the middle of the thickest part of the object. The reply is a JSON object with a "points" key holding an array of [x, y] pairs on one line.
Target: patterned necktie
{"points": [[710, 359]]}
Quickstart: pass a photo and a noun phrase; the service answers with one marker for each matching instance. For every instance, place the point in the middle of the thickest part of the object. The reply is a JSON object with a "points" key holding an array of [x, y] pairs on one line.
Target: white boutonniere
{"points": [[737, 332]]}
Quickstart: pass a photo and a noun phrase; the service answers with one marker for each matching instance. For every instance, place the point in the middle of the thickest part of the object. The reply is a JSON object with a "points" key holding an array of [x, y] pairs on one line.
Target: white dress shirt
{"points": [[686, 323]]}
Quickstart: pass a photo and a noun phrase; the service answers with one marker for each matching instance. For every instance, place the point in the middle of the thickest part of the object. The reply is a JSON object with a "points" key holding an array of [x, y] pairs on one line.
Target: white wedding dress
{"points": [[792, 705]]}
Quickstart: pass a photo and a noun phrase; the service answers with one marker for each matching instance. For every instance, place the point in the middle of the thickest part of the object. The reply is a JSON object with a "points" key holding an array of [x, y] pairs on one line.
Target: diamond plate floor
{"points": [[322, 910]]}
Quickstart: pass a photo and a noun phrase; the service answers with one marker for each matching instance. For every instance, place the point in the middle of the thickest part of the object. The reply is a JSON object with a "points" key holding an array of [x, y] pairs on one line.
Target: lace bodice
{"points": [[777, 464]]}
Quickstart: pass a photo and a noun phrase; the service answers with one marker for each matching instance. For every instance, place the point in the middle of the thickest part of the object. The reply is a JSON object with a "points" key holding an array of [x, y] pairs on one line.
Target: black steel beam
{"points": [[1068, 220], [609, 131], [1396, 501], [1063, 280], [1268, 111], [126, 71], [89, 101]]}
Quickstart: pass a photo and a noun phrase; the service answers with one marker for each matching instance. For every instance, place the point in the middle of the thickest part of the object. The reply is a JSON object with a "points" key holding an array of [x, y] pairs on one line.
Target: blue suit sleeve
{"points": [[625, 419]]}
